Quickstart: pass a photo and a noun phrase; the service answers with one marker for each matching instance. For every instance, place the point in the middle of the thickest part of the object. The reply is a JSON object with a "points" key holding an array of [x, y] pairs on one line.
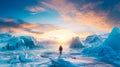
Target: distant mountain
{"points": [[113, 39], [76, 43], [10, 42]]}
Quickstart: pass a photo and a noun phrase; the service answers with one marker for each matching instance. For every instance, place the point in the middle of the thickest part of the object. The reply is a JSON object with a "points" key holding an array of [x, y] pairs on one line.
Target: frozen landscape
{"points": [[94, 51], [59, 33]]}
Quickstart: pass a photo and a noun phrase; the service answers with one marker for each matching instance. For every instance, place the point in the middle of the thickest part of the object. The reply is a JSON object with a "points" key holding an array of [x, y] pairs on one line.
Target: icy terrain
{"points": [[25, 51], [48, 58]]}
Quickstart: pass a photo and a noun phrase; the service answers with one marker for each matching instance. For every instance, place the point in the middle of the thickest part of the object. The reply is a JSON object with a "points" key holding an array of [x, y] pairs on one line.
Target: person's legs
{"points": [[60, 52]]}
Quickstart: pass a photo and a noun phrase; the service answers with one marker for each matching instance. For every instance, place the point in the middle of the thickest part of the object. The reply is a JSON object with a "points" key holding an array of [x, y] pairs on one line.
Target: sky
{"points": [[59, 19]]}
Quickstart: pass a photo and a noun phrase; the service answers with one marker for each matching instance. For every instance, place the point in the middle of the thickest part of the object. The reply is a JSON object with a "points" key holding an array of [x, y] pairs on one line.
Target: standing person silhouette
{"points": [[60, 49]]}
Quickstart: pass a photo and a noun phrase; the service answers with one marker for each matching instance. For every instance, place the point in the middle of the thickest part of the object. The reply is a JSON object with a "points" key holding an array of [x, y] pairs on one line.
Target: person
{"points": [[60, 49]]}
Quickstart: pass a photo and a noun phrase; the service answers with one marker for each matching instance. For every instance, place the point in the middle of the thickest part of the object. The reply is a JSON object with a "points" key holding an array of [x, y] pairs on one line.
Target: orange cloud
{"points": [[86, 16], [4, 29], [24, 28], [28, 25], [15, 30], [93, 20]]}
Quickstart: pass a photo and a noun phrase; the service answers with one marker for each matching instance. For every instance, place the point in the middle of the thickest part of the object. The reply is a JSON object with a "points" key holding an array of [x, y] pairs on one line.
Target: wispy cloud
{"points": [[82, 15], [90, 6], [86, 15], [70, 13], [35, 9], [15, 26], [7, 19]]}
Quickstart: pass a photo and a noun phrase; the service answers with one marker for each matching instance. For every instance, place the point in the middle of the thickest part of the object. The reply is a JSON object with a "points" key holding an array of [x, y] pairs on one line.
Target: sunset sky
{"points": [[58, 19]]}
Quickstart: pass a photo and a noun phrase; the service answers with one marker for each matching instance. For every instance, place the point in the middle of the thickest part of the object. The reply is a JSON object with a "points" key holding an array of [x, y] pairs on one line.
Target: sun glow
{"points": [[58, 36], [62, 39], [61, 36]]}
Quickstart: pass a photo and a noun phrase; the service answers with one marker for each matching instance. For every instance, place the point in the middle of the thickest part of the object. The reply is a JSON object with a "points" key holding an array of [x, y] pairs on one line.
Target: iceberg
{"points": [[100, 51], [93, 39], [10, 42], [29, 41], [4, 37], [76, 43], [113, 39], [108, 51]]}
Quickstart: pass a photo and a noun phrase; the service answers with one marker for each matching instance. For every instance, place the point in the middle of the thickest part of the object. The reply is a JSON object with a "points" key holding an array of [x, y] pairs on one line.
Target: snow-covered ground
{"points": [[48, 57]]}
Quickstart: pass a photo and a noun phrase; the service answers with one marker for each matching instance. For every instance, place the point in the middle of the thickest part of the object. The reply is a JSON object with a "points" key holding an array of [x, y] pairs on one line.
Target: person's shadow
{"points": [[59, 57]]}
